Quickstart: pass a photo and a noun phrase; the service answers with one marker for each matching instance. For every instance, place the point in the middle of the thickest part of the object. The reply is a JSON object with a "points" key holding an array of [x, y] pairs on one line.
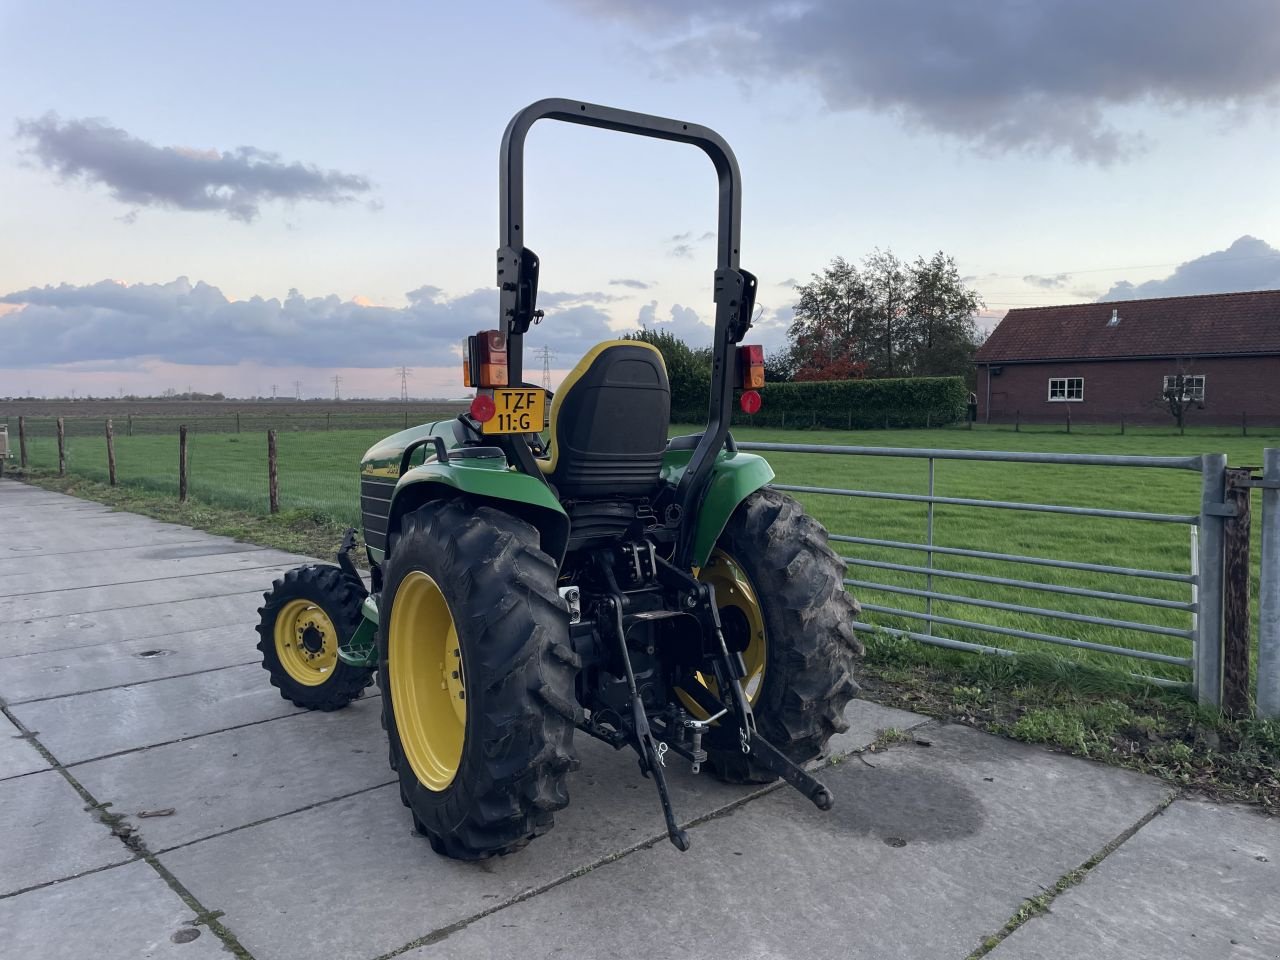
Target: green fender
{"points": [[734, 477], [528, 498]]}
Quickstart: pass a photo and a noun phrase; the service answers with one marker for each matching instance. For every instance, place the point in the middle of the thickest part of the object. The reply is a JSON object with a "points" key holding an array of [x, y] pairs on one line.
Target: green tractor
{"points": [[654, 594]]}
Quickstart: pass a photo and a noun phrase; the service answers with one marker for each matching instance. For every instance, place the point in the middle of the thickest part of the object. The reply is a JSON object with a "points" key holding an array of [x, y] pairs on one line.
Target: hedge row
{"points": [[854, 404]]}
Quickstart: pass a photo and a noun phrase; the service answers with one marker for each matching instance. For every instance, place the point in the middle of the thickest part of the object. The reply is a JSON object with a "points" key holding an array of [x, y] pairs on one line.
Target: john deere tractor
{"points": [[544, 567]]}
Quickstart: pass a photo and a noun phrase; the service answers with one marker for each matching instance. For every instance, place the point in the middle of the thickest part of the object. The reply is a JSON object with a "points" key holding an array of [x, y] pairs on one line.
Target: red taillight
{"points": [[751, 366], [485, 361], [482, 407], [750, 402]]}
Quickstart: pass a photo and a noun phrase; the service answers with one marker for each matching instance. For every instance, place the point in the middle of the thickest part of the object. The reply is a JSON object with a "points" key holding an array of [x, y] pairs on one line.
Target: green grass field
{"points": [[318, 474]]}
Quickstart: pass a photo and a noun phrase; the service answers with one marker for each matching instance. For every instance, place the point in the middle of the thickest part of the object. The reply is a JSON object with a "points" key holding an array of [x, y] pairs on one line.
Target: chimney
{"points": [[1115, 318]]}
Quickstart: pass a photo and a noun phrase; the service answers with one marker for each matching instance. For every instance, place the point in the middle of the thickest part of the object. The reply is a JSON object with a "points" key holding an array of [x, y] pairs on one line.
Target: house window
{"points": [[1192, 386], [1066, 388]]}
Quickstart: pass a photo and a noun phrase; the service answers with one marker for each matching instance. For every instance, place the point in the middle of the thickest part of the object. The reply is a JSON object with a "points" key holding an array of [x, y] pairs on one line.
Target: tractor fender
{"points": [[734, 477], [488, 482]]}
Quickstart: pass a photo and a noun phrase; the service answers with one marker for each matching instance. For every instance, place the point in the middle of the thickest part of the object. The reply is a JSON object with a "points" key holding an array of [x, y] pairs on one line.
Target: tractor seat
{"points": [[609, 423]]}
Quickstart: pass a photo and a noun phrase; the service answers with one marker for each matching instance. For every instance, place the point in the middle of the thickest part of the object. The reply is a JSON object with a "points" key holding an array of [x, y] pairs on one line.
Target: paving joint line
{"points": [[297, 712], [274, 817], [139, 606], [132, 683], [132, 639], [172, 576], [63, 553], [134, 843], [1039, 904], [443, 933]]}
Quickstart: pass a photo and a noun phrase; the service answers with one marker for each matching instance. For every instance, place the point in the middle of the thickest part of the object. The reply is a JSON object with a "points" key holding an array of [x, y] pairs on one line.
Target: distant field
{"points": [[318, 472], [87, 417]]}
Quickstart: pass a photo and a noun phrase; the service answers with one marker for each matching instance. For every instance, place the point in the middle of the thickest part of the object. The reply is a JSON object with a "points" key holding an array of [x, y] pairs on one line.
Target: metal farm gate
{"points": [[1191, 608]]}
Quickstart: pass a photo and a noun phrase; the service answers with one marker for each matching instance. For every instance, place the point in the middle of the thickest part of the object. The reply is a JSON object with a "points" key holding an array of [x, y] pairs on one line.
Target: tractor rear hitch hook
{"points": [[651, 757]]}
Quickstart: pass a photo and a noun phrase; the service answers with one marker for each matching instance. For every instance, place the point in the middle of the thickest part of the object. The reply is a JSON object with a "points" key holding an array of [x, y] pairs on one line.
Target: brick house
{"points": [[1099, 362]]}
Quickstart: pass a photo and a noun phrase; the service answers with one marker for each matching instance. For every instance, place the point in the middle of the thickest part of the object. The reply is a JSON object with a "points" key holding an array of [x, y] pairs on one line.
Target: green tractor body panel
{"points": [[387, 494], [734, 477]]}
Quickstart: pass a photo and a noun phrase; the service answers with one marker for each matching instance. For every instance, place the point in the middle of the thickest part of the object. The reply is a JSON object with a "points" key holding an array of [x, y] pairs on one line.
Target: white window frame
{"points": [[1066, 383], [1171, 380]]}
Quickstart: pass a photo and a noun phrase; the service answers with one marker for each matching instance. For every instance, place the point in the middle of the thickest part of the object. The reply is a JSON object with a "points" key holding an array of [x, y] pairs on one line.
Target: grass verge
{"points": [[1084, 710]]}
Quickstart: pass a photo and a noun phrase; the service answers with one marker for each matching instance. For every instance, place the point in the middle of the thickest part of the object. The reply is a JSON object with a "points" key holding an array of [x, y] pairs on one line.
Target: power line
{"points": [[297, 389], [337, 382], [404, 373]]}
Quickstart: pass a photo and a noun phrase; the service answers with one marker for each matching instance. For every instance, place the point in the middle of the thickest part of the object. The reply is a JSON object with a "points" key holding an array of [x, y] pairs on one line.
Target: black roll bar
{"points": [[735, 289]]}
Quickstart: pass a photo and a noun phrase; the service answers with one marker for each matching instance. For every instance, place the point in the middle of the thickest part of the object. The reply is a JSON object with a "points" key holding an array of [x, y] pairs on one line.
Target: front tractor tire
{"points": [[305, 616], [477, 677], [783, 605]]}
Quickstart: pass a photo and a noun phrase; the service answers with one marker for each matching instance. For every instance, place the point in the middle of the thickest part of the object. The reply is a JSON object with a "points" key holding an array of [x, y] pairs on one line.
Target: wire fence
{"points": [[291, 419]]}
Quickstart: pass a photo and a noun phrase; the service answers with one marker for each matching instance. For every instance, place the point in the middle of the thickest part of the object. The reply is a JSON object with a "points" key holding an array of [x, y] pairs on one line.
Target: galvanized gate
{"points": [[1197, 635]]}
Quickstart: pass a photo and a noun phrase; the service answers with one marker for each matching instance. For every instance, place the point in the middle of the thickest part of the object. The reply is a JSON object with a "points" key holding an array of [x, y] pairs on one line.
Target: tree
{"points": [[884, 318], [688, 370], [1182, 392]]}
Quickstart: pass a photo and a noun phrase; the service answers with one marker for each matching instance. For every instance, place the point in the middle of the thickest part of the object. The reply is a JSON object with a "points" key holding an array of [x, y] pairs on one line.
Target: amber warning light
{"points": [[751, 376], [484, 359], [751, 366]]}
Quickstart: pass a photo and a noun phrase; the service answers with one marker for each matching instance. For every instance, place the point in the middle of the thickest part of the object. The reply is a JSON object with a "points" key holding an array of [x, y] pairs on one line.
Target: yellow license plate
{"points": [[517, 411]]}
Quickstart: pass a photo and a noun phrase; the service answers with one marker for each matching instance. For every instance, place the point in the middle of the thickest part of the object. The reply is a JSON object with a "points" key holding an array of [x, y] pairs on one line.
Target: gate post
{"points": [[1269, 589], [1207, 684]]}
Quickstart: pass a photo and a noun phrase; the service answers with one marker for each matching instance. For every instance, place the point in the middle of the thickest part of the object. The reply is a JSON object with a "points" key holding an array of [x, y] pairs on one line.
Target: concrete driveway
{"points": [[160, 800]]}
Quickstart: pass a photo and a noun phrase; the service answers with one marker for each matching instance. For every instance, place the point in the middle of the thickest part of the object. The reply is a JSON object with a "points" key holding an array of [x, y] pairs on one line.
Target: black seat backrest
{"points": [[609, 423]]}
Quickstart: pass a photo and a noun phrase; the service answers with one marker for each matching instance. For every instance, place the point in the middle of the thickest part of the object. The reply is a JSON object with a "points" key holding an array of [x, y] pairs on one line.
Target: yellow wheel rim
{"points": [[306, 643], [739, 610], [428, 685]]}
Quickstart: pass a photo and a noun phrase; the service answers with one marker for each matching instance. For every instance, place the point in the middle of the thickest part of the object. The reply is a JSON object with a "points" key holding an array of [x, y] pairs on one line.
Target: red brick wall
{"points": [[1131, 388]]}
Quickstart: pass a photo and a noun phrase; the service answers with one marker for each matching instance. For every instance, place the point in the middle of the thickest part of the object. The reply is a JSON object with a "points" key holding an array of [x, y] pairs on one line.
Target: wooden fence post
{"points": [[1017, 422], [22, 442], [237, 423], [111, 454], [182, 463], [327, 417], [1244, 423], [1122, 424], [129, 425], [273, 476], [62, 448], [1236, 574], [1068, 419]]}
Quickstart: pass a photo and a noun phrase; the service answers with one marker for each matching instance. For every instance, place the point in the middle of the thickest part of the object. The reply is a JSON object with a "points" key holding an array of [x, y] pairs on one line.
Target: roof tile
{"points": [[1208, 325]]}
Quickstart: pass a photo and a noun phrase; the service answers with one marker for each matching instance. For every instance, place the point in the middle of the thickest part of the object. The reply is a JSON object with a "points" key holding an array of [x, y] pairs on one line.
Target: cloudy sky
{"points": [[239, 194]]}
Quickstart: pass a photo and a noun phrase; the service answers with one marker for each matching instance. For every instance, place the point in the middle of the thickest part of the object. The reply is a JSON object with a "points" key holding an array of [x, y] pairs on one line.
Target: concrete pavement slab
{"points": [[53, 602], [396, 890], [60, 673], [112, 626], [123, 913], [91, 725], [47, 834], [66, 534], [227, 780], [132, 564], [17, 755], [1199, 882], [922, 857]]}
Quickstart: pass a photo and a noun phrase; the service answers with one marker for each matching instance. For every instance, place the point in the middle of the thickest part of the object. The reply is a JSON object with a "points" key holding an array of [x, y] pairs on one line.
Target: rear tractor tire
{"points": [[305, 616], [780, 591], [477, 678]]}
